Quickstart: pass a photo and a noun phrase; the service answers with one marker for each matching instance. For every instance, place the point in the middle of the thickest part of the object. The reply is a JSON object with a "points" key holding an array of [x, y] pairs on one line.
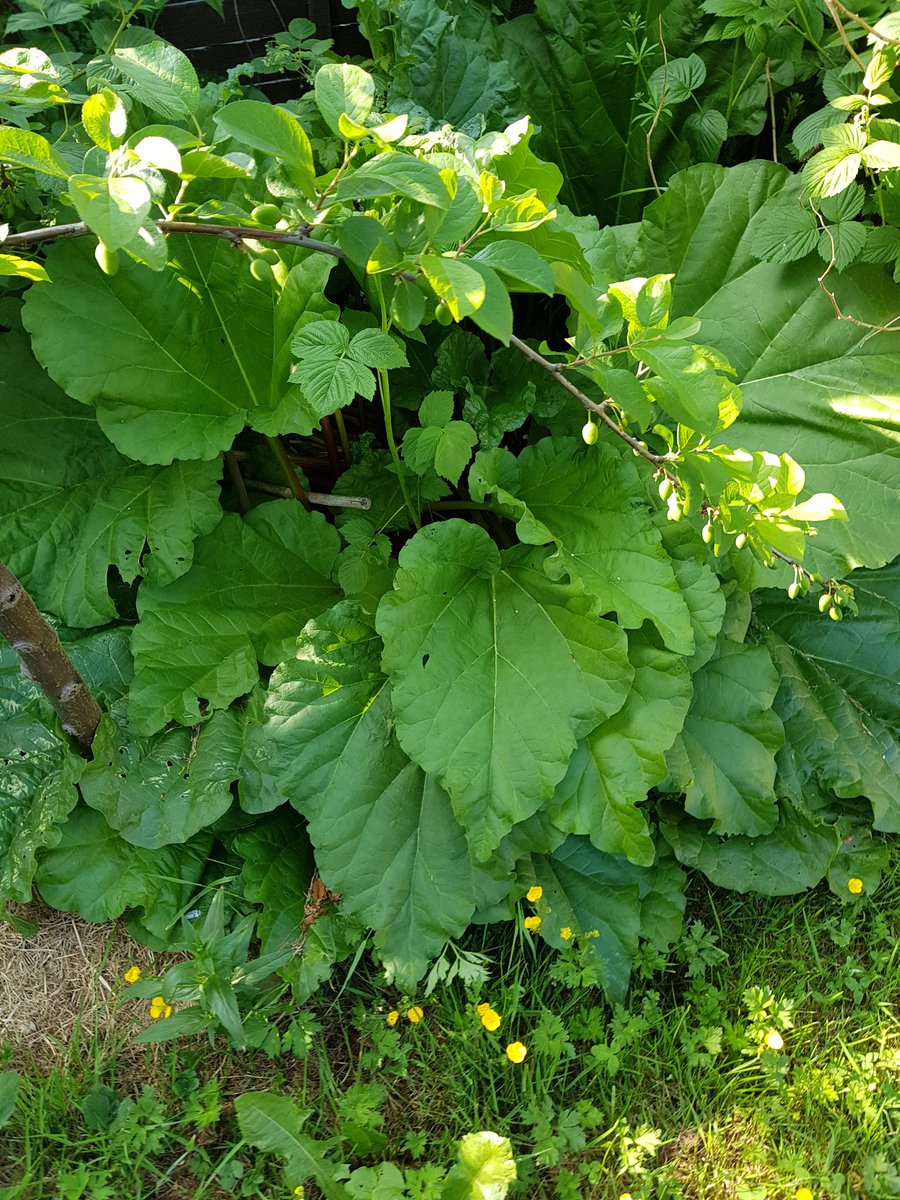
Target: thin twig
{"points": [[237, 479], [322, 499], [858, 20], [298, 491], [659, 107], [842, 33], [771, 92], [839, 313]]}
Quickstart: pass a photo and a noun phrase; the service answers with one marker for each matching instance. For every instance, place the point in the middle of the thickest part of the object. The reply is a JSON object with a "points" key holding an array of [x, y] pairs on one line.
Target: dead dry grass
{"points": [[67, 973]]}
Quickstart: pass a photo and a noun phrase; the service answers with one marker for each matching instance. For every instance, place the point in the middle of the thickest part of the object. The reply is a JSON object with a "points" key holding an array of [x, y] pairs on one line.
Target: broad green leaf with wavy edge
{"points": [[495, 673], [724, 758], [794, 856], [825, 391], [66, 517], [94, 872], [38, 774], [167, 389], [589, 501], [838, 696], [613, 769], [278, 866], [254, 583], [165, 789], [384, 832], [586, 889], [699, 584]]}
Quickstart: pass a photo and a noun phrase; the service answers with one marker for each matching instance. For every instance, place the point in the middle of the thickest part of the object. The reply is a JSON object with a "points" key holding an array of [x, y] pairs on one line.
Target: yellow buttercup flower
{"points": [[516, 1052], [534, 893], [393, 1017], [565, 933], [774, 1040], [300, 1192], [483, 1008], [855, 885], [491, 1020], [532, 924], [414, 1014], [625, 1196], [132, 975], [159, 1008], [803, 1193]]}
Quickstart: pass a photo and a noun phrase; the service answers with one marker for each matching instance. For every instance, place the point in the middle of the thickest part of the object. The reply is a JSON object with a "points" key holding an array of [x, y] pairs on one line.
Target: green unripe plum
{"points": [[269, 256], [835, 613], [107, 260], [266, 214], [824, 601], [443, 315], [740, 541], [794, 590], [590, 433], [666, 488], [261, 270], [707, 532]]}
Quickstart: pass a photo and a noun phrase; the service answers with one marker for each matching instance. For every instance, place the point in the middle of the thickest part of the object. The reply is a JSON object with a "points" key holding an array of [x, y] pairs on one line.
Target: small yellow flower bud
{"points": [[532, 924], [393, 1017], [565, 933], [516, 1052], [132, 975], [534, 893], [855, 886], [414, 1014], [774, 1040], [491, 1020]]}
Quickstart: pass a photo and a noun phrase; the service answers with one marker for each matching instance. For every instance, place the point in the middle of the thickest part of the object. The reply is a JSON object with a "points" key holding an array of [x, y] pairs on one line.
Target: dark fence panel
{"points": [[214, 45]]}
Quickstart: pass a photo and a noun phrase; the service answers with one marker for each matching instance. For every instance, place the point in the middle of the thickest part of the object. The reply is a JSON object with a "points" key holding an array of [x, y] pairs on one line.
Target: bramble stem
{"points": [[287, 469]]}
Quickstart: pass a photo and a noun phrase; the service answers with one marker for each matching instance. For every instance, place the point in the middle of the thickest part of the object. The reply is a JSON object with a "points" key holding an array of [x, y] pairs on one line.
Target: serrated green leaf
{"points": [[379, 350], [724, 758], [585, 500], [842, 243], [158, 791], [160, 77], [327, 371], [64, 520], [831, 170], [677, 79], [272, 1123], [274, 131], [254, 582], [784, 232], [613, 769], [492, 707]]}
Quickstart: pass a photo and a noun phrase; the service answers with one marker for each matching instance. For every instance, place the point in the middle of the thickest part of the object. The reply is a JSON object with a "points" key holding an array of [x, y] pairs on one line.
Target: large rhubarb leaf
{"points": [[724, 758], [824, 390], [254, 584], [838, 695], [613, 769], [495, 674], [384, 832], [167, 388], [66, 517]]}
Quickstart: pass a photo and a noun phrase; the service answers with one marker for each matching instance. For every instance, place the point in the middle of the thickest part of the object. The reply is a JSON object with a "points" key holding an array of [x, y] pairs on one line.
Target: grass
{"points": [[679, 1094]]}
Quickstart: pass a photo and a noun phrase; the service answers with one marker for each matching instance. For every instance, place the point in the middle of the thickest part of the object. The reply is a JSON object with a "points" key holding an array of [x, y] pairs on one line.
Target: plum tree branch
{"points": [[45, 661]]}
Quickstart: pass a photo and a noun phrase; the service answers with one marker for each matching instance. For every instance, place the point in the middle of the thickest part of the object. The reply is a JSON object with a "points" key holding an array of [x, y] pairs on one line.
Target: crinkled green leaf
{"points": [[495, 673], [792, 857], [724, 758], [838, 695], [385, 835], [613, 769], [66, 517], [160, 77], [160, 790], [254, 583], [587, 500], [94, 872], [825, 391]]}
